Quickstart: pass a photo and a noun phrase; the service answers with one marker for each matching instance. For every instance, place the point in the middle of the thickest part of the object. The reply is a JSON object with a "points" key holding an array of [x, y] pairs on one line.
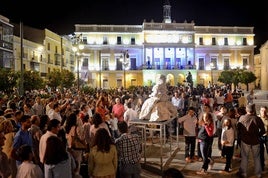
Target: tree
{"points": [[8, 80], [54, 79], [58, 78], [226, 77], [247, 77], [32, 80], [68, 78]]}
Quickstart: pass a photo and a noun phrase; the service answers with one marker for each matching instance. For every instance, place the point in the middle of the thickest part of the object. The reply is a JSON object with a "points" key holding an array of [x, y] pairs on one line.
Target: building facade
{"points": [[125, 55], [168, 48], [6, 43]]}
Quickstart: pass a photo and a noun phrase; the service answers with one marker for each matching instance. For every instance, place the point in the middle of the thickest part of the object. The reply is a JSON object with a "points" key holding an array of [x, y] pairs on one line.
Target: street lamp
{"points": [[124, 58], [211, 67], [77, 46]]}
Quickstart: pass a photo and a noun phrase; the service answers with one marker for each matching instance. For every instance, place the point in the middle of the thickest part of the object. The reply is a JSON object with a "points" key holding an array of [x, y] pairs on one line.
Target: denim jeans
{"points": [[245, 151], [206, 148]]}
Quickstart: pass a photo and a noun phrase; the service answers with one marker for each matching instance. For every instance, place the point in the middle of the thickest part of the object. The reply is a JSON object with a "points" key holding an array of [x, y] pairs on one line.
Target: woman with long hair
{"points": [[73, 128], [103, 154], [205, 137], [58, 163]]}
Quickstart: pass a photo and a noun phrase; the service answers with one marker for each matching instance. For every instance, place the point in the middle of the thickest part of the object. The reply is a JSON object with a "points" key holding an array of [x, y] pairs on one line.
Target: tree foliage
{"points": [[8, 80], [54, 79], [226, 77], [236, 76], [68, 78], [32, 81], [247, 77], [57, 78]]}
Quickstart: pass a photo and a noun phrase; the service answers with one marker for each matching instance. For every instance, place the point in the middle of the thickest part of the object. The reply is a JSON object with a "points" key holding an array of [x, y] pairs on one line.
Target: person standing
{"points": [[250, 97], [129, 152], [52, 130], [264, 137], [102, 161], [28, 168], [130, 114], [58, 162], [250, 127], [5, 169], [227, 141], [189, 122], [118, 110], [205, 136], [23, 136]]}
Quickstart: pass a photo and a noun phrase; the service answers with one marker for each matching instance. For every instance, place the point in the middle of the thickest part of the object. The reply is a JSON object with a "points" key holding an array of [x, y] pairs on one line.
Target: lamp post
{"points": [[124, 58], [77, 46], [211, 74]]}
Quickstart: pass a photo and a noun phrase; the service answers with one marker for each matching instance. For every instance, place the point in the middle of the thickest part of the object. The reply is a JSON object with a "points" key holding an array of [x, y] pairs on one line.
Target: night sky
{"points": [[61, 17]]}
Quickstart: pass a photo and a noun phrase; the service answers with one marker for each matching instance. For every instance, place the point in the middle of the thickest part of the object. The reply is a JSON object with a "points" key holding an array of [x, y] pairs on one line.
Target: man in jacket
{"points": [[250, 127]]}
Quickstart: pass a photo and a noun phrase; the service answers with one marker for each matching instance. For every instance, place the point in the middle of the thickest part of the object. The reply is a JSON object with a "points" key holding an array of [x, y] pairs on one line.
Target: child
{"points": [[227, 141]]}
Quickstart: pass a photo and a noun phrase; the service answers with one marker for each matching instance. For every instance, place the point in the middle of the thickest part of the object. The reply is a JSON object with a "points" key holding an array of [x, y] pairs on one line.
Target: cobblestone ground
{"points": [[189, 169]]}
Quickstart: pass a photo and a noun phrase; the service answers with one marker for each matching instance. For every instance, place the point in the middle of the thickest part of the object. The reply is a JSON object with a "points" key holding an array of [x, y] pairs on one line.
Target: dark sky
{"points": [[60, 17]]}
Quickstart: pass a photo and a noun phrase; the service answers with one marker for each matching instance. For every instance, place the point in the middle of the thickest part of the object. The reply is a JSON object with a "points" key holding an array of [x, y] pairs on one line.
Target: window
{"points": [[213, 41], [178, 63], [132, 40], [213, 60], [167, 63], [85, 62], [105, 84], [48, 46], [201, 41], [133, 64], [201, 63], [245, 62], [48, 59], [119, 83], [105, 63], [56, 49], [157, 63], [244, 41], [105, 40], [119, 64], [84, 40], [119, 40], [226, 63], [225, 41]]}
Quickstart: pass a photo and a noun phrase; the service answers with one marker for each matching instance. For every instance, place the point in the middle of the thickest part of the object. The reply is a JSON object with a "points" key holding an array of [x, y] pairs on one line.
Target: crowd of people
{"points": [[37, 133]]}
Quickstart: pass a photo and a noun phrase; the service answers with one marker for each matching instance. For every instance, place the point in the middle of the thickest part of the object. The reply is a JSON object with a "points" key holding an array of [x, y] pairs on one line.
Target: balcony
{"points": [[169, 67]]}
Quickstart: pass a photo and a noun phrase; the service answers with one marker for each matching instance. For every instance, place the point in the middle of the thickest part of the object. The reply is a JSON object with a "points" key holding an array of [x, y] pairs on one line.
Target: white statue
{"points": [[158, 107]]}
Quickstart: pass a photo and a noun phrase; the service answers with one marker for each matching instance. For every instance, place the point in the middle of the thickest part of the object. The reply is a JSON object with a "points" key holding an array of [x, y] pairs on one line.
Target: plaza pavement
{"points": [[173, 155]]}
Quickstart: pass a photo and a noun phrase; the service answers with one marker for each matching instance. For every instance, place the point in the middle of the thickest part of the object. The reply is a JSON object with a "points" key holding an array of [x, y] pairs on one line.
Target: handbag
{"points": [[77, 143]]}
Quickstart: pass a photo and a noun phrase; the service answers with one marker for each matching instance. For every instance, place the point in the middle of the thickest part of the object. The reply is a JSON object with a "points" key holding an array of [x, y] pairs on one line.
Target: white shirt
{"points": [[189, 124], [130, 115], [29, 169], [43, 144]]}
